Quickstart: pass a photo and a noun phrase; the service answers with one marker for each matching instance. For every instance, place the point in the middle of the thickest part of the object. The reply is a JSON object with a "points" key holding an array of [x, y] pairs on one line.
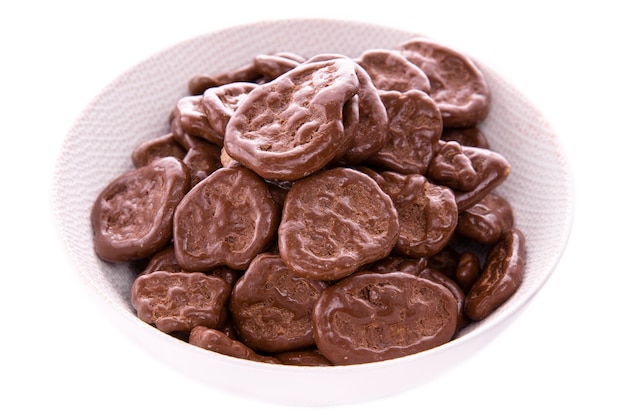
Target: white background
{"points": [[60, 354]]}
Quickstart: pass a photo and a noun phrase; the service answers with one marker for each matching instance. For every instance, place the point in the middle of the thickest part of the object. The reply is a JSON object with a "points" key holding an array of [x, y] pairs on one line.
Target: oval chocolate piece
{"points": [[370, 317], [132, 216]]}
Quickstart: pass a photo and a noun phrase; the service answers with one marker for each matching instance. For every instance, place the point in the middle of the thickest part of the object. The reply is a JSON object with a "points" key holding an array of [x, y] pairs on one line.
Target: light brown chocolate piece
{"points": [[132, 216], [179, 301], [413, 132], [216, 341], [457, 84], [271, 306], [371, 317], [227, 219], [391, 71], [294, 125], [189, 118], [500, 278], [427, 213], [219, 103], [149, 150], [334, 222]]}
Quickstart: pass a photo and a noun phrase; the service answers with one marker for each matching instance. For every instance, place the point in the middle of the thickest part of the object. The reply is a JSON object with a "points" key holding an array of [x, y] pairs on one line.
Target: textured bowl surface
{"points": [[135, 107]]}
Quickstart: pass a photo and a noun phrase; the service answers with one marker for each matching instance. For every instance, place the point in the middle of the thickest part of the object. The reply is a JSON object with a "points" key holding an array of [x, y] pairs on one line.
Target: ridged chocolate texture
{"points": [[179, 301], [370, 317], [334, 222], [132, 216], [227, 219], [293, 126]]}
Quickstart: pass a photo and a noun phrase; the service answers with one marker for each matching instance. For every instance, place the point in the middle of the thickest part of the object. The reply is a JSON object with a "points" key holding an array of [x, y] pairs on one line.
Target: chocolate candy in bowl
{"points": [[137, 106]]}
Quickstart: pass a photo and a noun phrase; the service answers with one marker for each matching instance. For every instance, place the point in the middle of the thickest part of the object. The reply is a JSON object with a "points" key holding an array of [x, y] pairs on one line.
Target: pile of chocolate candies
{"points": [[309, 210]]}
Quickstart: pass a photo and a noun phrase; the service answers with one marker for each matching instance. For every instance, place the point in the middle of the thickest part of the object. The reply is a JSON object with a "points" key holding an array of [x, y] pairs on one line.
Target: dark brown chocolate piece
{"points": [[334, 222], [491, 168], [179, 301], [468, 270], [132, 215], [371, 317], [452, 168]]}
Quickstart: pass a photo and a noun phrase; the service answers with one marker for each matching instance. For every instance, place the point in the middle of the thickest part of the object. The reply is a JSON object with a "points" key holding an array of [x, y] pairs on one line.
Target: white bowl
{"points": [[135, 107]]}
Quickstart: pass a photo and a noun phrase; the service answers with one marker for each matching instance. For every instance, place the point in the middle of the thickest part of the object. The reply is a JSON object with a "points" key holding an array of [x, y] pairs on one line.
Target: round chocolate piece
{"points": [[227, 219], [132, 216], [334, 222]]}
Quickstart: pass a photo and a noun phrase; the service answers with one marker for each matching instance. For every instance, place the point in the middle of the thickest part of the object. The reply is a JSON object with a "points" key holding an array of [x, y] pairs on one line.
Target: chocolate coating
{"points": [[191, 119], [132, 216], [149, 150], [427, 213], [452, 168], [179, 301], [371, 317], [227, 219], [372, 123], [292, 126], [487, 220], [501, 277], [413, 132], [310, 357], [457, 84], [391, 71], [273, 66], [219, 103], [491, 169], [271, 306], [202, 159], [466, 136], [216, 341], [334, 222], [468, 270]]}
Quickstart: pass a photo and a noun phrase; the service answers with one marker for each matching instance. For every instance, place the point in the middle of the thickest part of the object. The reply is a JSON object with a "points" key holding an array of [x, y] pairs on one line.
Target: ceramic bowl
{"points": [[135, 107]]}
